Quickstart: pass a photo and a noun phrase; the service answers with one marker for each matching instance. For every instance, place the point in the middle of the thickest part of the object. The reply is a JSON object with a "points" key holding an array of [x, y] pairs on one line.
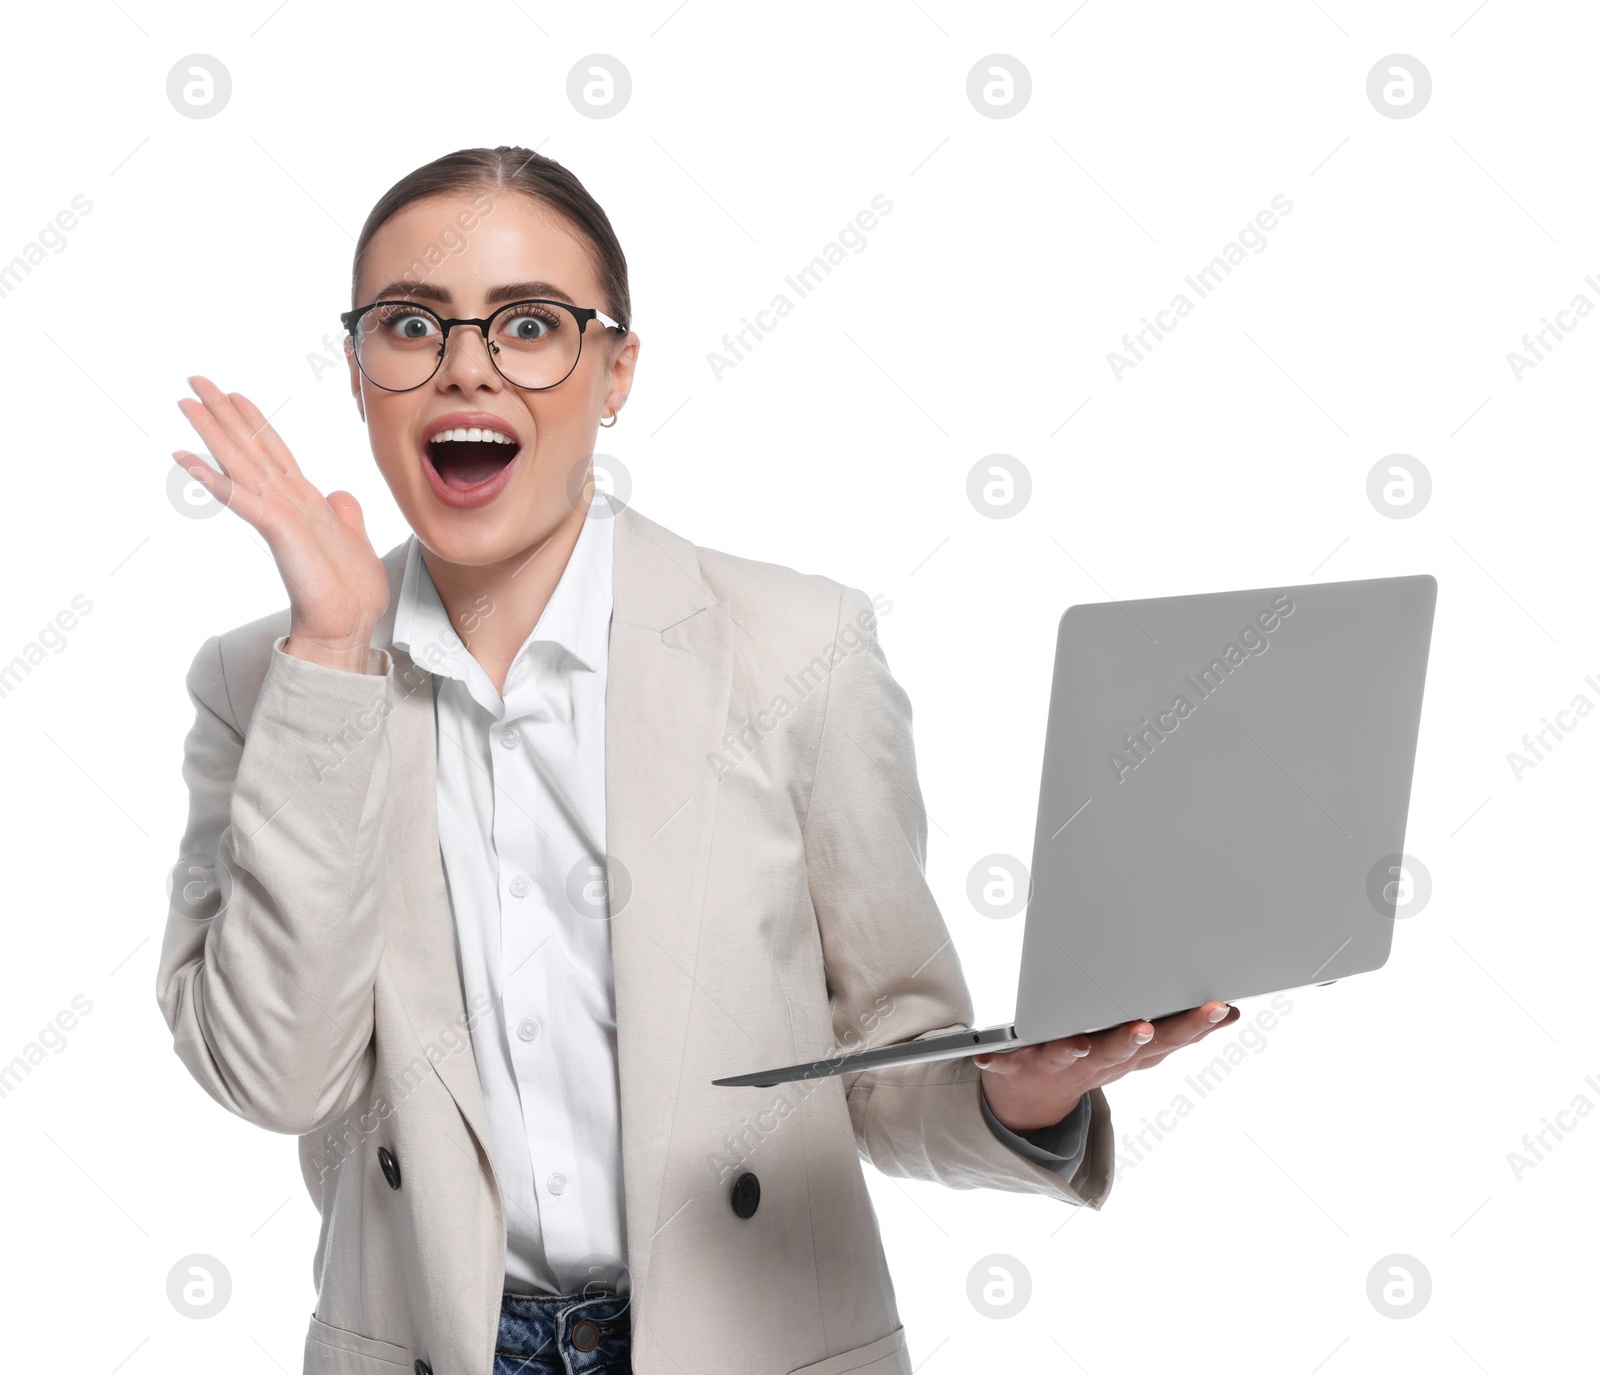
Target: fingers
{"points": [[252, 457], [1065, 1053], [1184, 1028], [1100, 1051], [1117, 1049], [1052, 1055], [234, 458], [220, 485], [1121, 1045], [348, 509], [1195, 1022], [264, 432], [228, 435], [1140, 1043], [222, 406], [1162, 1049], [223, 413]]}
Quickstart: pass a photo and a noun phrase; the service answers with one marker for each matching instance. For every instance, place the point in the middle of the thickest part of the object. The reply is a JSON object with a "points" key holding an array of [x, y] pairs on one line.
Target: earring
{"points": [[607, 424]]}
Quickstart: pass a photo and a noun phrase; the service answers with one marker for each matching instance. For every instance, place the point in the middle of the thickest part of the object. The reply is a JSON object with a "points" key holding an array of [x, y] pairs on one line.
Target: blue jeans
{"points": [[563, 1334]]}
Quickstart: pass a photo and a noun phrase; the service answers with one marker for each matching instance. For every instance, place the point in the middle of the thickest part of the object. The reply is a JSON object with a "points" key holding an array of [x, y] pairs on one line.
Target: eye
{"points": [[529, 323], [405, 322]]}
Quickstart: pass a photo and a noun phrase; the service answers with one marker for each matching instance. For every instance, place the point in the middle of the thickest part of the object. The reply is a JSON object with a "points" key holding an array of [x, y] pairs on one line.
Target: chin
{"points": [[508, 531], [468, 539]]}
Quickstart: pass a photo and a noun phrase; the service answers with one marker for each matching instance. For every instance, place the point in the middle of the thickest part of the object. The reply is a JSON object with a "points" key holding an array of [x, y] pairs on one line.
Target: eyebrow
{"points": [[497, 295]]}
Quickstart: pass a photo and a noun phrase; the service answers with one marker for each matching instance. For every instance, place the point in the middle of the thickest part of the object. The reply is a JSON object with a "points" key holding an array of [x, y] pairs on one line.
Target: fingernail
{"points": [[1217, 1014], [1079, 1053], [982, 1062], [1142, 1037]]}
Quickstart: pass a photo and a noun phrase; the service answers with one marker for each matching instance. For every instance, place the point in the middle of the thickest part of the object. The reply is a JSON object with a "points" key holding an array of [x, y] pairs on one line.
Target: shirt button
{"points": [[557, 1183], [527, 1029], [520, 886], [510, 737]]}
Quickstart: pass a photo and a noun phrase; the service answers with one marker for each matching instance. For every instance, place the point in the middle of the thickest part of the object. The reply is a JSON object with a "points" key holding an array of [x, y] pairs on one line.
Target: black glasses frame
{"points": [[582, 314]]}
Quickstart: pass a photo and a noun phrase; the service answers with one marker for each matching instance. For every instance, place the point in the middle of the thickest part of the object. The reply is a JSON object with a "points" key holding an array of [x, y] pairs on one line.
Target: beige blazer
{"points": [[762, 801]]}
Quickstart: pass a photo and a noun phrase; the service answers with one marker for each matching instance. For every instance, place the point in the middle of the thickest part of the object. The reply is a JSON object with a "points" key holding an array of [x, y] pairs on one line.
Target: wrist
{"points": [[1023, 1125], [349, 655], [1030, 1118]]}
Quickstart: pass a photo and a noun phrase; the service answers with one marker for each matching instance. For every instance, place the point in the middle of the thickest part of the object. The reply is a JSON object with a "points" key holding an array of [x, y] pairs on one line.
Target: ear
{"points": [[619, 376], [355, 377]]}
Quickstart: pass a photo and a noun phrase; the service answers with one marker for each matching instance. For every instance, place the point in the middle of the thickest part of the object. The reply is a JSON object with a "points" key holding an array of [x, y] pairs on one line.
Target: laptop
{"points": [[1222, 808]]}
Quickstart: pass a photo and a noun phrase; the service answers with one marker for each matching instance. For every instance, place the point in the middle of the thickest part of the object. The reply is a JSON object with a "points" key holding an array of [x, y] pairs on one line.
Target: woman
{"points": [[487, 875]]}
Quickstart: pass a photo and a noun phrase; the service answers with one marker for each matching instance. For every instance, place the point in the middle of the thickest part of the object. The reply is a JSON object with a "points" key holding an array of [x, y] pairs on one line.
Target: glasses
{"points": [[533, 344]]}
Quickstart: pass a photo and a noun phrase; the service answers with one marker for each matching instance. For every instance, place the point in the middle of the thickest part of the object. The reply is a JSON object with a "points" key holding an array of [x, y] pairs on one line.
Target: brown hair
{"points": [[516, 169]]}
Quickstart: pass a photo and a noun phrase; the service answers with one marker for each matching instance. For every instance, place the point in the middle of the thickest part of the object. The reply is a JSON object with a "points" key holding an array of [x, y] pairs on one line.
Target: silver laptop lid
{"points": [[1224, 796]]}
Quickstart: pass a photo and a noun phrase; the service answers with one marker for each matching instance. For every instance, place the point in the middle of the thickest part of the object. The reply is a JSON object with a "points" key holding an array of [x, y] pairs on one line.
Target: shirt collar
{"points": [[577, 617]]}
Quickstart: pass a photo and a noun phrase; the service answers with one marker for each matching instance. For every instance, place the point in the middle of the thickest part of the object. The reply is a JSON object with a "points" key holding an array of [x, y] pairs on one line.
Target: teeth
{"points": [[472, 436]]}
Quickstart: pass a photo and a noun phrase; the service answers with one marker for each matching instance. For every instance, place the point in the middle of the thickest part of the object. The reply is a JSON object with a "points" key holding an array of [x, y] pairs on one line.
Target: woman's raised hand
{"points": [[337, 585]]}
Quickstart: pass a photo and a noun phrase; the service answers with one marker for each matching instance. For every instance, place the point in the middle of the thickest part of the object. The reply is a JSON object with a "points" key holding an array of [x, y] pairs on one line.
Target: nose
{"points": [[466, 364]]}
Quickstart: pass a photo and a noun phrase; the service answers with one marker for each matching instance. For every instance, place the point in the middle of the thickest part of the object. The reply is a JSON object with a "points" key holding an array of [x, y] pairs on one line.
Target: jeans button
{"points": [[585, 1336], [746, 1195]]}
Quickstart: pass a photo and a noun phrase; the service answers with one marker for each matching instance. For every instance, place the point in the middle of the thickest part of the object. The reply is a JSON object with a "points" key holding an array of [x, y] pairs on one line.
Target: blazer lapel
{"points": [[668, 681], [421, 926]]}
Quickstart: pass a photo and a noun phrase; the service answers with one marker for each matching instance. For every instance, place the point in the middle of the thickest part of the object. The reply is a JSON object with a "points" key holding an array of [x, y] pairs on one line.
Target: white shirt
{"points": [[521, 806], [522, 834]]}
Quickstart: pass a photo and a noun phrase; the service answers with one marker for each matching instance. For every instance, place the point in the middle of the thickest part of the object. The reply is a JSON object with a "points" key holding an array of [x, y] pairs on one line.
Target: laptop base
{"points": [[951, 1046]]}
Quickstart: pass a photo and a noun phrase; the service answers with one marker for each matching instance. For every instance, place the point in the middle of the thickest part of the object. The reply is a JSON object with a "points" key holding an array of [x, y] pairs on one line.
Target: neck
{"points": [[494, 607]]}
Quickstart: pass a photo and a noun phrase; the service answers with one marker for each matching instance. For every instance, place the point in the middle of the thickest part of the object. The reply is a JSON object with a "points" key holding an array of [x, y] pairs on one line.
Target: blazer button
{"points": [[421, 1367], [746, 1195], [391, 1171]]}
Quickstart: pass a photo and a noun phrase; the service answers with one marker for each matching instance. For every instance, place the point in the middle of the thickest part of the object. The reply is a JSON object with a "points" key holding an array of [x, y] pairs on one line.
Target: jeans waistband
{"points": [[564, 1334]]}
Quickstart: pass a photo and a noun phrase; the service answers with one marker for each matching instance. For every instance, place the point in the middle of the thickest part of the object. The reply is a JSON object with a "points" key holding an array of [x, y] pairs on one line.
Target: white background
{"points": [[1375, 1118]]}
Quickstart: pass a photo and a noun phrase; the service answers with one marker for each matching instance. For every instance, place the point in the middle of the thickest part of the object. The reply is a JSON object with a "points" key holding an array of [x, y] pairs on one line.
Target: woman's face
{"points": [[482, 503]]}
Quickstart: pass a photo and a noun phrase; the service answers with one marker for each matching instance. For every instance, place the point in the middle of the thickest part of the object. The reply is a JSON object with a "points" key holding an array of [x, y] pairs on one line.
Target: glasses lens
{"points": [[397, 345], [535, 344]]}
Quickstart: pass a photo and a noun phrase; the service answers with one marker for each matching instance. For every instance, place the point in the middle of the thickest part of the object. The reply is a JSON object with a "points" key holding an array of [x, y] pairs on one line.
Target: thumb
{"points": [[348, 509]]}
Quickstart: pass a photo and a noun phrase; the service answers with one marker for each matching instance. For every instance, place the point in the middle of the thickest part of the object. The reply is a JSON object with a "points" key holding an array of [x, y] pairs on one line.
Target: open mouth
{"points": [[468, 457]]}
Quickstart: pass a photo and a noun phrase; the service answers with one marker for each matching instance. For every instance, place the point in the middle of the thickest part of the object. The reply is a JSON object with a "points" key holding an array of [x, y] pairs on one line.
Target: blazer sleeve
{"points": [[273, 930], [893, 973]]}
